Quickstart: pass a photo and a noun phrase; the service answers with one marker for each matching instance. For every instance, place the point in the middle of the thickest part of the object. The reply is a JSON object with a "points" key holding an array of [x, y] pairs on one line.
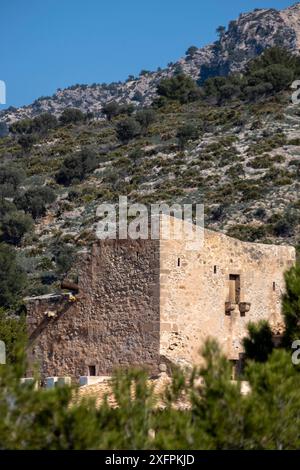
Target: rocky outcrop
{"points": [[248, 37], [291, 18]]}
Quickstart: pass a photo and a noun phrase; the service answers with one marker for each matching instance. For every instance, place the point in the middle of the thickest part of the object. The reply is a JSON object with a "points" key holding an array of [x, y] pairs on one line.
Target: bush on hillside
{"points": [[127, 129], [77, 166], [38, 125], [35, 200], [10, 178], [12, 277], [191, 51], [180, 87], [145, 117], [185, 133], [71, 116], [266, 75], [110, 110], [13, 226]]}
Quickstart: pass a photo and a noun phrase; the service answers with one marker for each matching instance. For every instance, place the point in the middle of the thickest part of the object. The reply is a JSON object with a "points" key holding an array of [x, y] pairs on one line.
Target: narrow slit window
{"points": [[274, 286], [178, 262], [234, 288], [92, 371], [215, 269]]}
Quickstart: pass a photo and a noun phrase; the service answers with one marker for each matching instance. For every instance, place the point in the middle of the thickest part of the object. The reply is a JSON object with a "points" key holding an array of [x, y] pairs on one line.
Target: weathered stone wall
{"points": [[140, 300], [193, 295], [115, 321]]}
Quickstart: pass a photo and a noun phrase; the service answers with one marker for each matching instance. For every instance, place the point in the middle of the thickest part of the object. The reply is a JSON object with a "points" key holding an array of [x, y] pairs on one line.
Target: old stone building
{"points": [[144, 302]]}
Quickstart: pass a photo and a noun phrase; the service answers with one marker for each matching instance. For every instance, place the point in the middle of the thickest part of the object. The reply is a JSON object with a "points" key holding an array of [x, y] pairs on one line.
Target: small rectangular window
{"points": [[215, 269], [92, 371], [234, 288], [274, 286], [178, 262]]}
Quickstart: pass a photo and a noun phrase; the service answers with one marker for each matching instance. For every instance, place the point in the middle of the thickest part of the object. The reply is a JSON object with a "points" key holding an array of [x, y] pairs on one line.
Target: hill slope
{"points": [[234, 147]]}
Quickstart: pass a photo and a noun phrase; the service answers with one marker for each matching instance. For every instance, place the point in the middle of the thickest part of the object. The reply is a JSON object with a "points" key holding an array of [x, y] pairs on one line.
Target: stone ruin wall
{"points": [[114, 322], [195, 286]]}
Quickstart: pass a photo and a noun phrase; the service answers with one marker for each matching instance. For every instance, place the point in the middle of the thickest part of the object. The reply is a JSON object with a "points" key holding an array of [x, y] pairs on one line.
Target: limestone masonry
{"points": [[147, 302]]}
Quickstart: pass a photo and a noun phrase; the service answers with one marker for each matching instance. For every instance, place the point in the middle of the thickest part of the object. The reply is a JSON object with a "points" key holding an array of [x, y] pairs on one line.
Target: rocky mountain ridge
{"points": [[244, 39]]}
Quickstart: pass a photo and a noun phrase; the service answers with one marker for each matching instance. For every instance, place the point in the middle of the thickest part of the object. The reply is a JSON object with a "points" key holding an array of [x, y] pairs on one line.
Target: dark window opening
{"points": [[92, 371], [215, 269], [178, 262], [274, 286], [237, 367], [234, 288]]}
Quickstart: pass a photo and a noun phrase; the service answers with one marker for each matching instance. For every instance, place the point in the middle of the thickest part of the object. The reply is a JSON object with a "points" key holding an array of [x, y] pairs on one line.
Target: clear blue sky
{"points": [[50, 44]]}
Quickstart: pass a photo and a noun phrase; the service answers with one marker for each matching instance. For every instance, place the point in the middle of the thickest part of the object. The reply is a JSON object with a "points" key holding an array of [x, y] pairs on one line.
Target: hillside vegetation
{"points": [[232, 144]]}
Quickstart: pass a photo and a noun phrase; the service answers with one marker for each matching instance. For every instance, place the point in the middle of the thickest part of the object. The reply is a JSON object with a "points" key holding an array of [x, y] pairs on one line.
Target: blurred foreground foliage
{"points": [[198, 409], [219, 416]]}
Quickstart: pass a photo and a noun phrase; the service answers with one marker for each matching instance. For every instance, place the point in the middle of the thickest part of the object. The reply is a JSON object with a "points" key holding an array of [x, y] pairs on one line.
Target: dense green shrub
{"points": [[191, 51], [218, 212], [6, 207], [145, 117], [127, 129], [127, 109], [270, 73], [180, 87], [35, 200], [38, 125], [264, 161], [12, 332], [249, 233], [219, 416], [258, 344], [77, 166], [220, 89], [64, 256], [274, 56], [291, 306], [4, 129], [267, 144], [111, 110], [44, 123], [284, 227], [11, 177], [13, 226], [27, 141], [136, 154], [71, 116], [284, 224], [185, 133], [12, 277], [260, 213], [24, 126]]}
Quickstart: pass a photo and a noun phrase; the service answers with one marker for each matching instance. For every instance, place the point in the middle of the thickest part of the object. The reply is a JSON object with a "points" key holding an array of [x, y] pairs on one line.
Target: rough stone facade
{"points": [[195, 289], [147, 302], [114, 321]]}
